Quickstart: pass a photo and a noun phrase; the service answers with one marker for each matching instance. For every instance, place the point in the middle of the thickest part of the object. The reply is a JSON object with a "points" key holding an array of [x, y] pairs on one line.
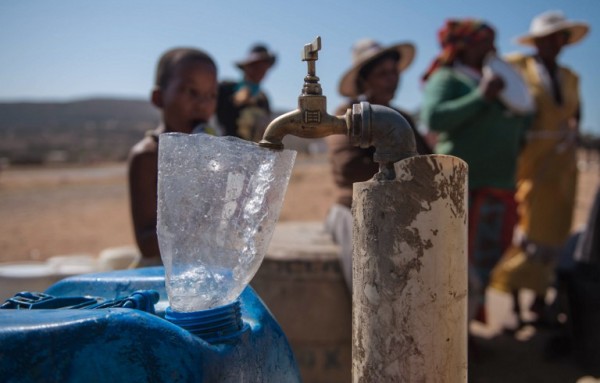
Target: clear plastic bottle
{"points": [[219, 199]]}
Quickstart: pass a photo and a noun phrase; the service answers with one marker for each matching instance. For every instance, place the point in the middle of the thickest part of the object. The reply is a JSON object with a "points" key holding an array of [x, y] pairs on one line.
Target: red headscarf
{"points": [[455, 36]]}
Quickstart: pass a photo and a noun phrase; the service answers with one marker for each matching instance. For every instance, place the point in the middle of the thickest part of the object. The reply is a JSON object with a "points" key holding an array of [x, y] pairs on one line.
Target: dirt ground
{"points": [[82, 210], [72, 210]]}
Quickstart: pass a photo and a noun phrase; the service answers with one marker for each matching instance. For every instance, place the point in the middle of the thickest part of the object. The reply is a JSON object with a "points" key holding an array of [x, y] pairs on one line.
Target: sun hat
{"points": [[550, 22], [257, 53], [365, 51]]}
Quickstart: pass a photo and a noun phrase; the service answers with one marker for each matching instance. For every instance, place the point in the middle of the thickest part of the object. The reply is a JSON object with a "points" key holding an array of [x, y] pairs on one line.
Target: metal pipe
{"points": [[409, 301]]}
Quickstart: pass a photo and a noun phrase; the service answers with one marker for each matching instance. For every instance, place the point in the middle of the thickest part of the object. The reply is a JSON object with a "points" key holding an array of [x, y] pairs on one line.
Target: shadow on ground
{"points": [[529, 355]]}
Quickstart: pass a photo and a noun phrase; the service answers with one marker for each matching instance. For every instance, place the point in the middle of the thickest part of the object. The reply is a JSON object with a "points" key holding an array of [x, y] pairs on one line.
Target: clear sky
{"points": [[69, 49]]}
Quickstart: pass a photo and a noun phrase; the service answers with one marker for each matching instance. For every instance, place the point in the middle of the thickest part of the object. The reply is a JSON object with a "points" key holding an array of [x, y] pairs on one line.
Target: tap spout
{"points": [[302, 122]]}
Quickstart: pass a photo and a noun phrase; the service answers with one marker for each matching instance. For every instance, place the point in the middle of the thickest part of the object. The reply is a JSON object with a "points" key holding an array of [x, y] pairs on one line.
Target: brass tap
{"points": [[366, 125], [310, 120]]}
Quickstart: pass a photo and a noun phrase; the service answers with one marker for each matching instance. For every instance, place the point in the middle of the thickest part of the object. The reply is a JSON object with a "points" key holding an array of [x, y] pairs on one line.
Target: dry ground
{"points": [[57, 211], [72, 210]]}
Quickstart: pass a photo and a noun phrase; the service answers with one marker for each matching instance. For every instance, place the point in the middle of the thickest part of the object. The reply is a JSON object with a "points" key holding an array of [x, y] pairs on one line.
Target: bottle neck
{"points": [[218, 325]]}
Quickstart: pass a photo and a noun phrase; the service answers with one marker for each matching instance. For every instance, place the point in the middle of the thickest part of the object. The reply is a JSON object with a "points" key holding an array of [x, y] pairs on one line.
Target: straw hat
{"points": [[550, 22], [257, 53], [366, 50]]}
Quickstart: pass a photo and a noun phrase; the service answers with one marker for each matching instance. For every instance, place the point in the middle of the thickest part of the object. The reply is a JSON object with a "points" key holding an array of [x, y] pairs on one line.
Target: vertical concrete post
{"points": [[409, 307]]}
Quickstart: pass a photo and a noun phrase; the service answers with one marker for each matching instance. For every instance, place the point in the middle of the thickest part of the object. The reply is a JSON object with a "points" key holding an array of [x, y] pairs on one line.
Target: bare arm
{"points": [[143, 175]]}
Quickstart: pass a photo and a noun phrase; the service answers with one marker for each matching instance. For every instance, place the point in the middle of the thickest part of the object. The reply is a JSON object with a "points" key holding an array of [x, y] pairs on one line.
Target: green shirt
{"points": [[485, 134]]}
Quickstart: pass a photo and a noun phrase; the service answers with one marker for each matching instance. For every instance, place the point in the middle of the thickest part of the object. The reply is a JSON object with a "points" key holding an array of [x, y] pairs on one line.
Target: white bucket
{"points": [[119, 258], [38, 276], [25, 276], [68, 265]]}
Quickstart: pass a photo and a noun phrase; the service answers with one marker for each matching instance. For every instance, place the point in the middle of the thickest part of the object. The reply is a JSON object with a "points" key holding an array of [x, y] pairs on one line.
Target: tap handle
{"points": [[311, 51], [310, 54]]}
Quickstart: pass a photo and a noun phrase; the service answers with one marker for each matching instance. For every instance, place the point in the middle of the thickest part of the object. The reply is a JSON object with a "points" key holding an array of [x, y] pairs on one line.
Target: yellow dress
{"points": [[546, 179]]}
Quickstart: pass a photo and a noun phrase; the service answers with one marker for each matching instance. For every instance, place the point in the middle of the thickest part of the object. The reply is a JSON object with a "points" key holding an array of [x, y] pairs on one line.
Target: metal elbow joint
{"points": [[386, 130]]}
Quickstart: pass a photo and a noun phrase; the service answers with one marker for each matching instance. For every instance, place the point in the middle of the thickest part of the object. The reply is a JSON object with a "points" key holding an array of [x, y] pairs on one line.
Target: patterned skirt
{"points": [[492, 219]]}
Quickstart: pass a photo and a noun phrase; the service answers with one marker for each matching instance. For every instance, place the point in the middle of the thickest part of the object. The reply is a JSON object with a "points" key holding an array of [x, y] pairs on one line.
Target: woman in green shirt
{"points": [[461, 105]]}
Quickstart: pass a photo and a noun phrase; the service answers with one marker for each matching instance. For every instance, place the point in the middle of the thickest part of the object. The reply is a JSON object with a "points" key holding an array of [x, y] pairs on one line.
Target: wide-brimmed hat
{"points": [[550, 22], [365, 51], [257, 53]]}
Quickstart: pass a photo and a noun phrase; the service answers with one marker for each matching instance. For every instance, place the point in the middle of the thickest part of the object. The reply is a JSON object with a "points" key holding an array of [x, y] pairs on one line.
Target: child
{"points": [[185, 90]]}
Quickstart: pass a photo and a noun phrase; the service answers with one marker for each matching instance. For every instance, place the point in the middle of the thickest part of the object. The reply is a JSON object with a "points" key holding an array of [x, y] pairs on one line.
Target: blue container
{"points": [[132, 345]]}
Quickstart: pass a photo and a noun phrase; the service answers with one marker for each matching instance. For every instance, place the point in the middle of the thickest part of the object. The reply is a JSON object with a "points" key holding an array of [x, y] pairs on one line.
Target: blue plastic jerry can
{"points": [[117, 327]]}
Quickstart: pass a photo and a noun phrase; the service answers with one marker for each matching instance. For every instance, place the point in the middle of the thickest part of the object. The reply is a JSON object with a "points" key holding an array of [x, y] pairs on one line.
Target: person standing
{"points": [[547, 167], [462, 106], [243, 108], [373, 77], [185, 91]]}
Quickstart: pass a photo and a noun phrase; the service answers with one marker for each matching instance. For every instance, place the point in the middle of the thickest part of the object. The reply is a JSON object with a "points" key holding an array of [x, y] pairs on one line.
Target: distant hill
{"points": [[98, 130], [87, 130]]}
